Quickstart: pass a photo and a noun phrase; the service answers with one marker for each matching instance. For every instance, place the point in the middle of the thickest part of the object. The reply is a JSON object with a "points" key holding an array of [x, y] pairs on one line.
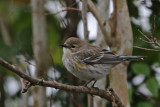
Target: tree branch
{"points": [[147, 49], [109, 95], [65, 9], [84, 18], [151, 39], [101, 21]]}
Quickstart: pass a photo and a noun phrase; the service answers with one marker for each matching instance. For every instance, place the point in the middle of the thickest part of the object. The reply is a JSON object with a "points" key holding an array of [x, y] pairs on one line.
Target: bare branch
{"points": [[84, 18], [145, 41], [157, 50], [57, 85], [143, 35], [25, 85], [154, 27], [151, 40], [101, 20], [66, 9]]}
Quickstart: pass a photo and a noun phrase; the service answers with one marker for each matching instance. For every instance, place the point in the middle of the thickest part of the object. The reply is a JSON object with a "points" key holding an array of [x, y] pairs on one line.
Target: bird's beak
{"points": [[63, 45]]}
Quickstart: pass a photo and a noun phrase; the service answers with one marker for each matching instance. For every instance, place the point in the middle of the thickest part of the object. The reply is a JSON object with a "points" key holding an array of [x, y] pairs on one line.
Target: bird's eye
{"points": [[72, 46]]}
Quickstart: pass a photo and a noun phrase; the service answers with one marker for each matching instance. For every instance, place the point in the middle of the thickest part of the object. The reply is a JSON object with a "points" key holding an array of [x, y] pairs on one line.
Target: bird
{"points": [[89, 62]]}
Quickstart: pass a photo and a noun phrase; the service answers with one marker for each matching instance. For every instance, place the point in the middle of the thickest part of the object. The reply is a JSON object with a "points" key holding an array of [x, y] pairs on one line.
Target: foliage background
{"points": [[143, 77]]}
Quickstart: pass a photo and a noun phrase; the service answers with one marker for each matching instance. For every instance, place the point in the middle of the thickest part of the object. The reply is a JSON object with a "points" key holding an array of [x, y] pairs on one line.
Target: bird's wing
{"points": [[92, 56]]}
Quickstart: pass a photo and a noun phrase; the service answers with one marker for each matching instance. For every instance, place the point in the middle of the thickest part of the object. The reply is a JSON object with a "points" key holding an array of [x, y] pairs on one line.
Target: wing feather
{"points": [[93, 56]]}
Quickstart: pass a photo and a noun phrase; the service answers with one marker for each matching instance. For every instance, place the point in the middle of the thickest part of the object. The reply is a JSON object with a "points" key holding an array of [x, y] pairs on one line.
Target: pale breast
{"points": [[68, 60], [95, 71], [85, 71]]}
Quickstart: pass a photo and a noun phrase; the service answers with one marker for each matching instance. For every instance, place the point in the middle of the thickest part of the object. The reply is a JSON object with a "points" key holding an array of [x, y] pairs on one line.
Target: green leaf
{"points": [[55, 49], [144, 104], [140, 68], [130, 93], [23, 42], [152, 85], [5, 52]]}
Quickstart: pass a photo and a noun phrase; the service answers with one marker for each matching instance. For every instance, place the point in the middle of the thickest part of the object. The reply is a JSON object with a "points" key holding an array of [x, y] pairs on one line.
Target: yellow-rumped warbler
{"points": [[89, 62]]}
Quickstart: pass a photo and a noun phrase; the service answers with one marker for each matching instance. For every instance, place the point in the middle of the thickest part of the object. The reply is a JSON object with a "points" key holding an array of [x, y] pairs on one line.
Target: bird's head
{"points": [[73, 45]]}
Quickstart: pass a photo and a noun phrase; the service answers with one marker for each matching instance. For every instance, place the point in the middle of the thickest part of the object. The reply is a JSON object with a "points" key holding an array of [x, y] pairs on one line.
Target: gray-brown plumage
{"points": [[87, 61]]}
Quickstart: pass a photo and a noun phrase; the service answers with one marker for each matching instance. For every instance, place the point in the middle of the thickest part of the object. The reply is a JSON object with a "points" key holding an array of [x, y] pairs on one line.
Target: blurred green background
{"points": [[143, 77]]}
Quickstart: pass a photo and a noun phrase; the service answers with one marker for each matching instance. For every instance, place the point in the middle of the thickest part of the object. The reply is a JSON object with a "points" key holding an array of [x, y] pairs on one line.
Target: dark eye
{"points": [[72, 46]]}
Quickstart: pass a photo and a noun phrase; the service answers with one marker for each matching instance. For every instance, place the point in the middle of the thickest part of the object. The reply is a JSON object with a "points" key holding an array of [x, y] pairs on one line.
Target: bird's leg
{"points": [[88, 82], [93, 84]]}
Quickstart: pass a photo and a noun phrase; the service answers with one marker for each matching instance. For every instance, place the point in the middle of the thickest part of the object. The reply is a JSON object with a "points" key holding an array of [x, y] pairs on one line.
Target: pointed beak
{"points": [[63, 45]]}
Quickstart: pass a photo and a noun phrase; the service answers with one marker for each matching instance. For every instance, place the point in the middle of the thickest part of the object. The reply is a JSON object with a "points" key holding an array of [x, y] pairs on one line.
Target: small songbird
{"points": [[89, 62]]}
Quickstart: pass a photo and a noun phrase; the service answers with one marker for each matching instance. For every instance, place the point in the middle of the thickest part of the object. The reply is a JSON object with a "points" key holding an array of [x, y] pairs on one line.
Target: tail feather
{"points": [[132, 58]]}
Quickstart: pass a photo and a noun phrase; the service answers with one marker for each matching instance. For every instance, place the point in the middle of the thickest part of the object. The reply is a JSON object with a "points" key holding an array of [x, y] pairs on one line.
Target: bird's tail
{"points": [[132, 58]]}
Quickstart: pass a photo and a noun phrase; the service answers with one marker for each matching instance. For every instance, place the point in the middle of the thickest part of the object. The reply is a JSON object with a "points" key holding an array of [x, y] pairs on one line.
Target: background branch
{"points": [[5, 32], [84, 18], [101, 21], [150, 39], [65, 9], [109, 95]]}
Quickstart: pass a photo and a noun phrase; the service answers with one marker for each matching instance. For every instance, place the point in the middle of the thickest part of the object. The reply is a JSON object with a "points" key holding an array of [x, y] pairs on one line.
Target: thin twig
{"points": [[74, 100], [152, 40], [157, 50], [57, 85], [38, 69], [66, 9], [51, 97], [73, 4], [144, 35], [154, 27], [157, 44], [145, 41]]}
